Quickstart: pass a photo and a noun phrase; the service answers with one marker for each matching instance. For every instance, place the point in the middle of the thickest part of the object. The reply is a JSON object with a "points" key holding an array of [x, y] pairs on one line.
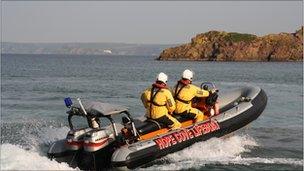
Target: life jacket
{"points": [[200, 104], [159, 85], [183, 83], [156, 87]]}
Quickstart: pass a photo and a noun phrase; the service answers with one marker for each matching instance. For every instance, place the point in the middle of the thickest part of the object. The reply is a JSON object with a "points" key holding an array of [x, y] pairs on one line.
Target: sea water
{"points": [[33, 113]]}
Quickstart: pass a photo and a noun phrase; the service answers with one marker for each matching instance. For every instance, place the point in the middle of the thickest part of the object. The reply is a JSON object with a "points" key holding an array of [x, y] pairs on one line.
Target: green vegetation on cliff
{"points": [[237, 37]]}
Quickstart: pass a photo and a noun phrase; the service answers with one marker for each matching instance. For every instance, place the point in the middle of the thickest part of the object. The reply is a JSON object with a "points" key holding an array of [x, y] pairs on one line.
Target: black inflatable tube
{"points": [[144, 156]]}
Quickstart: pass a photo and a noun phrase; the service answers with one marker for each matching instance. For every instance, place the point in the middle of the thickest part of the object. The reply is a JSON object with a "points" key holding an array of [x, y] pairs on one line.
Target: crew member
{"points": [[159, 102], [184, 92], [208, 105]]}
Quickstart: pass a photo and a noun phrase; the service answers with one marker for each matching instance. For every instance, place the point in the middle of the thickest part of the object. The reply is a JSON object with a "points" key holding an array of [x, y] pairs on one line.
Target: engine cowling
{"points": [[74, 139], [97, 139]]}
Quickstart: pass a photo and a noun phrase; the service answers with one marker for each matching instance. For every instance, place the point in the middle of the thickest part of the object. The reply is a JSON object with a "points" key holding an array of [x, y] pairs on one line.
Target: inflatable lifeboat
{"points": [[130, 143]]}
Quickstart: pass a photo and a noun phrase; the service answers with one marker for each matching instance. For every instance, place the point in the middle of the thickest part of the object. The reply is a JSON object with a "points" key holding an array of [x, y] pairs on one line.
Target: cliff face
{"points": [[223, 46]]}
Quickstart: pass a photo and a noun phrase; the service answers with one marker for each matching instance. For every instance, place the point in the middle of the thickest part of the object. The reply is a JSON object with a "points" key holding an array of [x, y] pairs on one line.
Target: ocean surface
{"points": [[33, 112]]}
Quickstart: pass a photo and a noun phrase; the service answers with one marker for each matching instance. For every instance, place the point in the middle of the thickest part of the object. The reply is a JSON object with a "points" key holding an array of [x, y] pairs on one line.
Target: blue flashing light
{"points": [[68, 102]]}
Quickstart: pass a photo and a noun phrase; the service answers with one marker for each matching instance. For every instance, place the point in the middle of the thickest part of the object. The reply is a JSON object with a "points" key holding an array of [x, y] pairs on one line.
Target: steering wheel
{"points": [[208, 86]]}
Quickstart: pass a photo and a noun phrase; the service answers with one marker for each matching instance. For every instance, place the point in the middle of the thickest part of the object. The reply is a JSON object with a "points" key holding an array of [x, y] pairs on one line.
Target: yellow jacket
{"points": [[184, 96], [163, 102]]}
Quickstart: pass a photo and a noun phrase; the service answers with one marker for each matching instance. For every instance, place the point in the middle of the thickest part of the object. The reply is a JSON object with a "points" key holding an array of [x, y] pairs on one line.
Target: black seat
{"points": [[147, 126], [181, 119]]}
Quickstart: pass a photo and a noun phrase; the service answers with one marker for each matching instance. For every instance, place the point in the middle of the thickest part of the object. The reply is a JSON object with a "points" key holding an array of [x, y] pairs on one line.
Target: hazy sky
{"points": [[143, 22]]}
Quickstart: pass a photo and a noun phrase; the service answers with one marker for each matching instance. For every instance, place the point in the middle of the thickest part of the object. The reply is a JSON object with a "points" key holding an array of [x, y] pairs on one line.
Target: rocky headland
{"points": [[223, 46]]}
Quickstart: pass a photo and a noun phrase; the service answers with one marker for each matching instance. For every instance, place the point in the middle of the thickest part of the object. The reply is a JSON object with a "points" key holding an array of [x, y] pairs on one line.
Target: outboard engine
{"points": [[97, 139], [74, 139], [97, 150]]}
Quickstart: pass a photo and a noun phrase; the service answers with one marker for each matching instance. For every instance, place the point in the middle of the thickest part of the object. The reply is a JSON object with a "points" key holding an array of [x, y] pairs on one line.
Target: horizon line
{"points": [[93, 42]]}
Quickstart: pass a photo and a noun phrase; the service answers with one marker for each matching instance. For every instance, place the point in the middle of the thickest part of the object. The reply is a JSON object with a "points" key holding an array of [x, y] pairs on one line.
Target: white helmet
{"points": [[162, 77], [188, 74]]}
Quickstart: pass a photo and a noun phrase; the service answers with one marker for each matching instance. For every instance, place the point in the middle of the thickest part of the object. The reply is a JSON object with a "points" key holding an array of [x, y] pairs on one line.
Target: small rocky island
{"points": [[223, 46]]}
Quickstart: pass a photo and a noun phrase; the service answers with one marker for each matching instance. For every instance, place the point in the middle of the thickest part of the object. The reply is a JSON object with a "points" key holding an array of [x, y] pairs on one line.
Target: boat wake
{"points": [[217, 151], [214, 151], [14, 157], [31, 154]]}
